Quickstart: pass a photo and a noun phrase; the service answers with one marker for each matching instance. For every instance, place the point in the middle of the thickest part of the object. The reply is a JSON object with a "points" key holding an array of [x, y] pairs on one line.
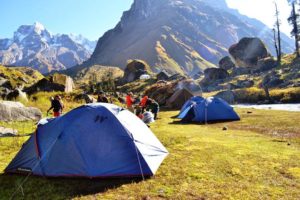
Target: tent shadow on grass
{"points": [[179, 122], [53, 188]]}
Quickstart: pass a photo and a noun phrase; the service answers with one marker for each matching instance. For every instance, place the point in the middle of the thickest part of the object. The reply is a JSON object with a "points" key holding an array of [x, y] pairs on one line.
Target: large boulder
{"points": [[212, 74], [248, 51], [16, 111], [226, 63], [134, 70], [228, 96]]}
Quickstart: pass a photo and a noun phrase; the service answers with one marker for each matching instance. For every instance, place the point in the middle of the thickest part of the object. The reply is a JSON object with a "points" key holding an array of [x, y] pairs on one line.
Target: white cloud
{"points": [[264, 10]]}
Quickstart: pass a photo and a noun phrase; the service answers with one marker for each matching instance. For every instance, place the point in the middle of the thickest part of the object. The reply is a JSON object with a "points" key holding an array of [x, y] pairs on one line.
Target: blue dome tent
{"points": [[94, 140], [208, 110]]}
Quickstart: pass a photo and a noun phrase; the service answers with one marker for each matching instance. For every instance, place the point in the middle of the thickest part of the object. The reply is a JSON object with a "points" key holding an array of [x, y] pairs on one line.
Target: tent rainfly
{"points": [[94, 140]]}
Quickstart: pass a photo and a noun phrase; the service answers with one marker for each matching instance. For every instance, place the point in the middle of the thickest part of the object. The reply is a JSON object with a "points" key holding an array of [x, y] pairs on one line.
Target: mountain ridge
{"points": [[34, 46], [189, 37]]}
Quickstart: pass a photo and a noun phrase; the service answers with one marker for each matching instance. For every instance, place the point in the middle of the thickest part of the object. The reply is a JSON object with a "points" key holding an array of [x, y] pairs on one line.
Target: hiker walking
{"points": [[129, 102], [102, 98], [57, 106]]}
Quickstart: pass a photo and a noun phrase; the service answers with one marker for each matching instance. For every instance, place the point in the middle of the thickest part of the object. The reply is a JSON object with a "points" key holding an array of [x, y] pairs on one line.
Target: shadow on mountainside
{"points": [[56, 188]]}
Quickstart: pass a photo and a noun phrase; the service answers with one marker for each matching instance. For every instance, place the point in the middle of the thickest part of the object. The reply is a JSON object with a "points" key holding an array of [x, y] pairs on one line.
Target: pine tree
{"points": [[293, 20]]}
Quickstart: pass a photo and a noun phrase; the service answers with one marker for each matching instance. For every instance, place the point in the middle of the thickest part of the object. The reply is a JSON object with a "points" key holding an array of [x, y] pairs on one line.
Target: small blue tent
{"points": [[209, 110], [94, 140]]}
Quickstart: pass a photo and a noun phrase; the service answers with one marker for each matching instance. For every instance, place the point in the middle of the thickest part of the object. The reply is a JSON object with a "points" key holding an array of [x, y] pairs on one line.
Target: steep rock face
{"points": [[182, 36], [34, 46]]}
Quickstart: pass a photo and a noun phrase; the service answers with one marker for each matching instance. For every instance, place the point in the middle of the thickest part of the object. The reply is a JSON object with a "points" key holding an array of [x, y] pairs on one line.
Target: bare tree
{"points": [[275, 43], [277, 36], [293, 20]]}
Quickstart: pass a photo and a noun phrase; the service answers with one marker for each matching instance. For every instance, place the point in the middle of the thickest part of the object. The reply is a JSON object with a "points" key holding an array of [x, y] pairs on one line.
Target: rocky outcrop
{"points": [[56, 82], [163, 75], [226, 63], [190, 35], [16, 111], [212, 74], [162, 91], [248, 51], [266, 64], [134, 70]]}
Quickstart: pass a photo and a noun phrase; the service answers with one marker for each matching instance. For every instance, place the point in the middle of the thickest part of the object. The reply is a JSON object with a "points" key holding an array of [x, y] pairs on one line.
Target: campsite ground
{"points": [[255, 158]]}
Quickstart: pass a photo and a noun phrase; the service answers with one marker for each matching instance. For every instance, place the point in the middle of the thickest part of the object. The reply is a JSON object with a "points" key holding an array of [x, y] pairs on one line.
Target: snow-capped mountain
{"points": [[88, 44], [34, 46]]}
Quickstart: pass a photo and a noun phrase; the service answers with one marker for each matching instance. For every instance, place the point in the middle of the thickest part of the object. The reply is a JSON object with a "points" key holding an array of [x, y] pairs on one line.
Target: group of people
{"points": [[144, 107]]}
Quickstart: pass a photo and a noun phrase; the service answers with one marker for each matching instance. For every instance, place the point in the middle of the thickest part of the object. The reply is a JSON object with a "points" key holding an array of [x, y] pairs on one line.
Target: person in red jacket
{"points": [[143, 103], [130, 101]]}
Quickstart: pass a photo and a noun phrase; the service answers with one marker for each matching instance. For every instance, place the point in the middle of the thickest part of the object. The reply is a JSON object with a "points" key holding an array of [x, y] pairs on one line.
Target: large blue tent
{"points": [[94, 140], [208, 110]]}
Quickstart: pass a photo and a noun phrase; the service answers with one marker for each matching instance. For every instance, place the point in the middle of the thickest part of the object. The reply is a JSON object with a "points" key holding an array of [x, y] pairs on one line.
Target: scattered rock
{"points": [[226, 63], [241, 71], [212, 74], [8, 132], [271, 80], [245, 83], [163, 75], [17, 95], [16, 111], [248, 51], [266, 64], [224, 128], [176, 77]]}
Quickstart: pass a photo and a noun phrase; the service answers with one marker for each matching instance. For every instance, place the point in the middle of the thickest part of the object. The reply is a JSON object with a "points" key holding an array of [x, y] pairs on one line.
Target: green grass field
{"points": [[255, 158]]}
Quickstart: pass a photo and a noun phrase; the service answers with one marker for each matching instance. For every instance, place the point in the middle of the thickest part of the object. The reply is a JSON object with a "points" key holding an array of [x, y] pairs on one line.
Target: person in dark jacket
{"points": [[153, 106], [57, 106], [102, 98]]}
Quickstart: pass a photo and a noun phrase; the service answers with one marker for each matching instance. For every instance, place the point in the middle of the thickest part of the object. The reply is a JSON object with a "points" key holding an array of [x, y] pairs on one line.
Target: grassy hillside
{"points": [[255, 158], [20, 75]]}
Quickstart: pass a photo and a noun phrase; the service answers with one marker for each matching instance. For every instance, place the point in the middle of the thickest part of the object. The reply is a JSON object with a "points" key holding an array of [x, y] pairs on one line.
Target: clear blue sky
{"points": [[92, 18]]}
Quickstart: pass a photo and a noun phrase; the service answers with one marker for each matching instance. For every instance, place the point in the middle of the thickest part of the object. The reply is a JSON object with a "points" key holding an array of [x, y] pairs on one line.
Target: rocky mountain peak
{"points": [[37, 30], [34, 46]]}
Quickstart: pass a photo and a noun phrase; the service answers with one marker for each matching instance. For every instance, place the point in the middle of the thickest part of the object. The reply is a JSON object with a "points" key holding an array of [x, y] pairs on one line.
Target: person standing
{"points": [[102, 98], [143, 103], [153, 106], [57, 106], [130, 102]]}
